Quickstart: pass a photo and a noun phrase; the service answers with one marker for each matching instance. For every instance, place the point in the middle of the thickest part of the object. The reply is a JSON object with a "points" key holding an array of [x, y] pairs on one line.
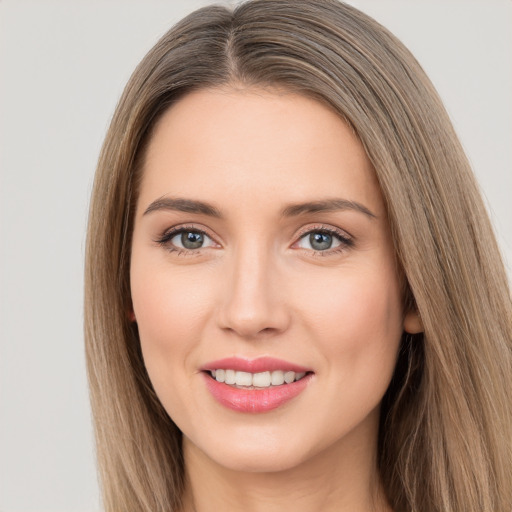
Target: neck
{"points": [[342, 478]]}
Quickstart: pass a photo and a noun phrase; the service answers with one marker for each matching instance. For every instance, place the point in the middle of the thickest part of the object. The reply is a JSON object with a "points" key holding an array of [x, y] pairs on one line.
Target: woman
{"points": [[294, 298]]}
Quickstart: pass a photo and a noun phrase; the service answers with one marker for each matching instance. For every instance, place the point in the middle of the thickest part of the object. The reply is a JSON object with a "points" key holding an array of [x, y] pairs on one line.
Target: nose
{"points": [[254, 304]]}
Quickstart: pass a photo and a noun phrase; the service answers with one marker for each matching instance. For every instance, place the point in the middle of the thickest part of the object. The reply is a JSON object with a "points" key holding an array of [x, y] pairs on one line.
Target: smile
{"points": [[246, 380], [255, 385]]}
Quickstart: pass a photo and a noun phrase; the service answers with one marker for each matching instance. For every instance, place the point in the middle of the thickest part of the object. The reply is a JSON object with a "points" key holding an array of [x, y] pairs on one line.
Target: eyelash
{"points": [[167, 236], [345, 240]]}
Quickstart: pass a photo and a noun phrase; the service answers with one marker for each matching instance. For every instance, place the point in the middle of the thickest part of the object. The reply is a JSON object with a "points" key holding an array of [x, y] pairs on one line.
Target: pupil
{"points": [[320, 241], [191, 240]]}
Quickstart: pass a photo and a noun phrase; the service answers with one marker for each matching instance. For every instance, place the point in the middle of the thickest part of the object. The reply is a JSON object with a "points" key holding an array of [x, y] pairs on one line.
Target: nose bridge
{"points": [[253, 303]]}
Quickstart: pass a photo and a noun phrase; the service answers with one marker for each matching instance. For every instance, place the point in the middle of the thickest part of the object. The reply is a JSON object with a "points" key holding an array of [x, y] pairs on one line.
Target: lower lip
{"points": [[255, 400]]}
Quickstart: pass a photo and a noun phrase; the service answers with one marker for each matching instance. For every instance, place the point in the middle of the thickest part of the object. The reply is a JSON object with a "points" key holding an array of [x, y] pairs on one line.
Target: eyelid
{"points": [[171, 232], [346, 239], [305, 230]]}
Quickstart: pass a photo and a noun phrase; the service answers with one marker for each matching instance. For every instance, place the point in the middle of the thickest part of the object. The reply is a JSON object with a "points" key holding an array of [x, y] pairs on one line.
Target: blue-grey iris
{"points": [[320, 241], [191, 240]]}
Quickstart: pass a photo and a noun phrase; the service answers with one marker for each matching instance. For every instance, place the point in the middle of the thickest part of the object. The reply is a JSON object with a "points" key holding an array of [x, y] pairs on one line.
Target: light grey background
{"points": [[63, 65]]}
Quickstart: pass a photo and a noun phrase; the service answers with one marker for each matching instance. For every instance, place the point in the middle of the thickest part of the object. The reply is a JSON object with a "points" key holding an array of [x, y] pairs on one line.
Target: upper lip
{"points": [[260, 364]]}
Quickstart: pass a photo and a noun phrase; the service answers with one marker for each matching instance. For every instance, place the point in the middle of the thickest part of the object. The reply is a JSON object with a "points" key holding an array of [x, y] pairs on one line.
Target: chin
{"points": [[265, 461], [255, 451]]}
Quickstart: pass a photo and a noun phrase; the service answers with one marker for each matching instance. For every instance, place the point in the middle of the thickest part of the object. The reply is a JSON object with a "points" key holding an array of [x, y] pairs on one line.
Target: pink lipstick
{"points": [[261, 364], [255, 385]]}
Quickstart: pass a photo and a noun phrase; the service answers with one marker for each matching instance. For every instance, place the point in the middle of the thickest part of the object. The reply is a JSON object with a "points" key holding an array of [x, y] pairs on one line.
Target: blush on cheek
{"points": [[170, 314], [162, 301], [354, 316]]}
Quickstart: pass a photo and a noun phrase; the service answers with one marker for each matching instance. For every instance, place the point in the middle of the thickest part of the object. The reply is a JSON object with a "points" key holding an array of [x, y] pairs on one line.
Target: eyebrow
{"points": [[293, 210], [183, 205], [327, 205]]}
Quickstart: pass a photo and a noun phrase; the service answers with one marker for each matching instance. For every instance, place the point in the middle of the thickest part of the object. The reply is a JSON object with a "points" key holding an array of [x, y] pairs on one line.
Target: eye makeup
{"points": [[319, 240]]}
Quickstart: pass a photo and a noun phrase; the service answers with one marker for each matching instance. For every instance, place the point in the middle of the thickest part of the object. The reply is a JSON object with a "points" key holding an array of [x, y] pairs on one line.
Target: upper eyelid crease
{"points": [[340, 233], [325, 228], [169, 233]]}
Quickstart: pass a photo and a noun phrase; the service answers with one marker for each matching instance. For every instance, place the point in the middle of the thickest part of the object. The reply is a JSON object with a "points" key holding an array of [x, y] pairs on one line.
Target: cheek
{"points": [[357, 321], [168, 303], [171, 311]]}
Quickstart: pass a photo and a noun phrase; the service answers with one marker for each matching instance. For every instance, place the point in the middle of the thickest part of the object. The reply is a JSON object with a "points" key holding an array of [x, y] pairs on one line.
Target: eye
{"points": [[323, 240], [186, 239], [189, 240]]}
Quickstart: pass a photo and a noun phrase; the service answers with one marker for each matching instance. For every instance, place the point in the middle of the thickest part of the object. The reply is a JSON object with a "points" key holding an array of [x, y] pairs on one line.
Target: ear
{"points": [[413, 323], [131, 316]]}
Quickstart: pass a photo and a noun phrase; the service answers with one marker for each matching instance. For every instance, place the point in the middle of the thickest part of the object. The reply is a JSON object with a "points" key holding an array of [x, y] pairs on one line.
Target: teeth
{"points": [[243, 379], [289, 377], [230, 377], [257, 380], [277, 378], [261, 380]]}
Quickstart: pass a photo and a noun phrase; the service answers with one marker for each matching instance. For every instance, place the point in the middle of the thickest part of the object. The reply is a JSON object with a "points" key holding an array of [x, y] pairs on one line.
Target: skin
{"points": [[258, 288]]}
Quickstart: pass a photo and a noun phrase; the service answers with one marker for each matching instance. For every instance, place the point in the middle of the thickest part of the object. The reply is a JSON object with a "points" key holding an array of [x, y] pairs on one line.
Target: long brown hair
{"points": [[445, 441]]}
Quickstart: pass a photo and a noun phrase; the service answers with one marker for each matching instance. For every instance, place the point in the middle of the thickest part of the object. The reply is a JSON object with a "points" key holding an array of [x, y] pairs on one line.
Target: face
{"points": [[263, 279]]}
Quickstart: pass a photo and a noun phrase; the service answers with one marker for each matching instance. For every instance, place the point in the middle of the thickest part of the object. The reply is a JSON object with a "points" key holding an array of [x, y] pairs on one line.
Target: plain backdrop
{"points": [[63, 65]]}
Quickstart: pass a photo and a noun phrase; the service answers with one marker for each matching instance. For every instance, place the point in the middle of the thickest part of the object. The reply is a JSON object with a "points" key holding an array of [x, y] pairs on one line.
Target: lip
{"points": [[260, 364], [254, 400]]}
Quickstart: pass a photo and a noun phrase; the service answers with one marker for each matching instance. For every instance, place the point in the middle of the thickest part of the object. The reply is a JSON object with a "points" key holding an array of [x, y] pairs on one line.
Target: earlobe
{"points": [[413, 323], [131, 316]]}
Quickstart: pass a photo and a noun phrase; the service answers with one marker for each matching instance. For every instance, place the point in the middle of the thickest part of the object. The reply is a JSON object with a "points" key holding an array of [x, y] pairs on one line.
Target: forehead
{"points": [[216, 144]]}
